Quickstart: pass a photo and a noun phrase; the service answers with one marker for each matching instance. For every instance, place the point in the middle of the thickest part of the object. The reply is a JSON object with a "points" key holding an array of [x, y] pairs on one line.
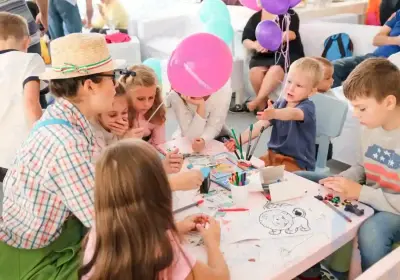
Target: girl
{"points": [[135, 236], [202, 119], [145, 94], [48, 190]]}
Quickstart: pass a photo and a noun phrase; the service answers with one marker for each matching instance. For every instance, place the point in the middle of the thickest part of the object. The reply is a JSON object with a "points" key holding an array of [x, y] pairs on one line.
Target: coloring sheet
{"points": [[275, 220], [185, 146]]}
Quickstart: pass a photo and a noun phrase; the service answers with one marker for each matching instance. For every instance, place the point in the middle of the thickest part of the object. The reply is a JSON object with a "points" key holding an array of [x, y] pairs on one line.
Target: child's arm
{"points": [[216, 269], [191, 126], [218, 111], [383, 38], [33, 110], [31, 89], [302, 112], [256, 131]]}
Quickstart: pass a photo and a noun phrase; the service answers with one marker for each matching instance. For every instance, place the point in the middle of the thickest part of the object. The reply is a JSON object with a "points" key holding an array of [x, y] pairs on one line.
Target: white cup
{"points": [[240, 195]]}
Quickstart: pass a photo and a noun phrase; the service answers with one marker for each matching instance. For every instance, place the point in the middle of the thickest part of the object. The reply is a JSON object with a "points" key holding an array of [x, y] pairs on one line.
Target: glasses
{"points": [[125, 73]]}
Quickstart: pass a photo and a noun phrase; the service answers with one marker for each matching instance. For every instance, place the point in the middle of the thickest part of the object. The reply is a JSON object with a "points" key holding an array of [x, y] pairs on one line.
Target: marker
{"points": [[337, 211], [249, 145], [188, 206], [233, 209], [255, 145], [241, 147]]}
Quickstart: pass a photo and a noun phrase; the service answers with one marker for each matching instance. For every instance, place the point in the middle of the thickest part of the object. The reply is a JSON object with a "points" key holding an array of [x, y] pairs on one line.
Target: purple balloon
{"points": [[276, 7], [269, 35], [293, 3]]}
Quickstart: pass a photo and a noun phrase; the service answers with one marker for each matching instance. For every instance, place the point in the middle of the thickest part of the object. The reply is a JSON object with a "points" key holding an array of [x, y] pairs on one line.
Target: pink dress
{"points": [[179, 270], [156, 133]]}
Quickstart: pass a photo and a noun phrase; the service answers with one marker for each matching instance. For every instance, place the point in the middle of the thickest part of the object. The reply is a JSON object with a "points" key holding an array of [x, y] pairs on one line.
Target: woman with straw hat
{"points": [[48, 191]]}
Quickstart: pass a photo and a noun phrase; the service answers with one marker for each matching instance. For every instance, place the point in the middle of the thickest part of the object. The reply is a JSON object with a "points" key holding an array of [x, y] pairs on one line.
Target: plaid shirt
{"points": [[51, 178]]}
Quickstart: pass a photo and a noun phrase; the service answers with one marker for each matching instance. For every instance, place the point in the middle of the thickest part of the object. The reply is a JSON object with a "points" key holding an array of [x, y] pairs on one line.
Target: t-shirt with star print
{"points": [[379, 170]]}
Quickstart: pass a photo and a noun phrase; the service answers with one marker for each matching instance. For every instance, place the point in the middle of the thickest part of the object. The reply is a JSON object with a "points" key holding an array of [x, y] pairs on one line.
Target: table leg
{"points": [[355, 264]]}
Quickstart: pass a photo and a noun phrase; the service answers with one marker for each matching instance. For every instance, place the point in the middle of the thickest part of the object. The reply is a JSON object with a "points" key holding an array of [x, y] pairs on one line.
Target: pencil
{"points": [[249, 145], [232, 209], [337, 211], [240, 147], [255, 145], [188, 206]]}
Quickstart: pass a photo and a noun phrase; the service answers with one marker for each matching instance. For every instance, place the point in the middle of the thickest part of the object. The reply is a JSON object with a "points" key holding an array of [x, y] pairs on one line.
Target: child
{"points": [[326, 83], [20, 86], [135, 236], [114, 125], [373, 88], [145, 95], [202, 119], [113, 14], [292, 119]]}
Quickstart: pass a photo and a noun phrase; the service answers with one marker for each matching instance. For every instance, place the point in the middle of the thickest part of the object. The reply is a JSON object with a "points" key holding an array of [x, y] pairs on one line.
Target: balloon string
{"points": [[284, 49]]}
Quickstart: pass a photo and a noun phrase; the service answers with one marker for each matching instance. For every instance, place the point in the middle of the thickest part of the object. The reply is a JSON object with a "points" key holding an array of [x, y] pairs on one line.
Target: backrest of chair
{"points": [[387, 268], [330, 114]]}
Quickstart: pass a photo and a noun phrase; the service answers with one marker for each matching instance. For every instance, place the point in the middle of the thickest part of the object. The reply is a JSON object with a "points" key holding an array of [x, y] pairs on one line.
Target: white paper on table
{"points": [[185, 146], [254, 181], [285, 190], [276, 220]]}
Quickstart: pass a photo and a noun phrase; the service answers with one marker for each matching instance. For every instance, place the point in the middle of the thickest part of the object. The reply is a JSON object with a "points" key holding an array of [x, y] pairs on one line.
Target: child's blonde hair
{"points": [[310, 66], [12, 25], [133, 214], [145, 77]]}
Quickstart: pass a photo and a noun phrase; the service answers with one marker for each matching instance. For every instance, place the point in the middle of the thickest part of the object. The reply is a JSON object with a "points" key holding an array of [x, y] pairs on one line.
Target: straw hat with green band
{"points": [[77, 55]]}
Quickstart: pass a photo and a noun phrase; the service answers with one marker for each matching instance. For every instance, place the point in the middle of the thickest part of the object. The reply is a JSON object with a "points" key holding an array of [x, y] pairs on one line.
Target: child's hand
{"points": [[135, 133], [346, 188], [190, 222], [267, 114], [194, 101], [211, 232], [187, 180], [230, 145], [173, 162], [198, 145], [119, 128]]}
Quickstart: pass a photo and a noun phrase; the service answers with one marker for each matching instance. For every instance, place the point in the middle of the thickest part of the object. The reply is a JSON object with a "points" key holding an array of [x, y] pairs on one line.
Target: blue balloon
{"points": [[214, 9], [155, 64], [220, 28]]}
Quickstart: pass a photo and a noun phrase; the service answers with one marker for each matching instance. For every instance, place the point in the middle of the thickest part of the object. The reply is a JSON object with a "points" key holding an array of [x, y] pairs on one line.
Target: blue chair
{"points": [[331, 114]]}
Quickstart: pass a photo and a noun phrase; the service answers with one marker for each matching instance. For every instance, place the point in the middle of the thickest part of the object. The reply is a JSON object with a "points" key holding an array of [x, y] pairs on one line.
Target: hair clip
{"points": [[126, 73]]}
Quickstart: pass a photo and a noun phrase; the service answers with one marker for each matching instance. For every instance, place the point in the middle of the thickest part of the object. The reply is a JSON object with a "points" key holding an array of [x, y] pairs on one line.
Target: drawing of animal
{"points": [[278, 220]]}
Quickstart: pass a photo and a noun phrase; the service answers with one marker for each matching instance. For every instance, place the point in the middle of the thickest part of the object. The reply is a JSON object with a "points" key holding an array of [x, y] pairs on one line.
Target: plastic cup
{"points": [[240, 194]]}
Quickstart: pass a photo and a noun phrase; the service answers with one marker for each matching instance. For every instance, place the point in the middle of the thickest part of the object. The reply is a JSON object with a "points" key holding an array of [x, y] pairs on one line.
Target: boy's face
{"points": [[327, 81], [118, 114], [299, 86], [372, 113]]}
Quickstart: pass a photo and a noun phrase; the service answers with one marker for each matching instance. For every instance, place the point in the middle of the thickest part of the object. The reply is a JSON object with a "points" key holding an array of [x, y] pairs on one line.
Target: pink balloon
{"points": [[200, 65], [251, 4]]}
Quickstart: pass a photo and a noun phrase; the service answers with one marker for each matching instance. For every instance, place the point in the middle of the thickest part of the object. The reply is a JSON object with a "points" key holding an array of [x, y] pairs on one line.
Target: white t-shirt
{"points": [[16, 69]]}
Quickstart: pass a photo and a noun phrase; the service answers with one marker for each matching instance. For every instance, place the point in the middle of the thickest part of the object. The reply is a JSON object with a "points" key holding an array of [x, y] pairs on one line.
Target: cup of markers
{"points": [[239, 188]]}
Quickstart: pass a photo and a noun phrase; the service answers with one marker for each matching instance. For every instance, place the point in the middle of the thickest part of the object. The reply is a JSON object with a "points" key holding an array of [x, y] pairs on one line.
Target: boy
{"points": [[326, 83], [374, 90], [293, 134], [19, 86]]}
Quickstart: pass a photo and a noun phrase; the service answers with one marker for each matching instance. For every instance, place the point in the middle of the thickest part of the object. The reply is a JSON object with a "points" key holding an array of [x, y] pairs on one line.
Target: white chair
{"points": [[387, 268], [330, 114]]}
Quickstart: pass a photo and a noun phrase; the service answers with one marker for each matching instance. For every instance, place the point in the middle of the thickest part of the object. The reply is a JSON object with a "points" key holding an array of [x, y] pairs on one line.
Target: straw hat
{"points": [[78, 55]]}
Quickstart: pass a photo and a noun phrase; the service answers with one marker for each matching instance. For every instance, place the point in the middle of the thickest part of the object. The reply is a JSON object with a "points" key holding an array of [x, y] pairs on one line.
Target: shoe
{"points": [[239, 108]]}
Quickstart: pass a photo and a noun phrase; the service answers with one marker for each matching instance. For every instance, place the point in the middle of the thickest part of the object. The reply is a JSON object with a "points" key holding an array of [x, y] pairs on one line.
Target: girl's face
{"points": [[143, 98], [118, 114]]}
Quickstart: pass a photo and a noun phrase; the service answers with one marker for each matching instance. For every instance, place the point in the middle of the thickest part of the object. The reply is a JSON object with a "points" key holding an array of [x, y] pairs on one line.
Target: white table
{"points": [[296, 254]]}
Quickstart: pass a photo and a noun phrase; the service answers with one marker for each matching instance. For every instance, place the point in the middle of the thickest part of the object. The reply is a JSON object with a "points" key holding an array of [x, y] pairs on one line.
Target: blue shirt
{"points": [[296, 139], [394, 24]]}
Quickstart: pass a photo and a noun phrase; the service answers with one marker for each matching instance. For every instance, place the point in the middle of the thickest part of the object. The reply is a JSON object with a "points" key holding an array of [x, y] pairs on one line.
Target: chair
{"points": [[330, 114]]}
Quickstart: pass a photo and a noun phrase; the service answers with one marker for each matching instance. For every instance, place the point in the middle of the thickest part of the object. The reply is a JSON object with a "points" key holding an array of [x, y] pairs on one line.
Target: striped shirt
{"points": [[19, 7], [51, 179]]}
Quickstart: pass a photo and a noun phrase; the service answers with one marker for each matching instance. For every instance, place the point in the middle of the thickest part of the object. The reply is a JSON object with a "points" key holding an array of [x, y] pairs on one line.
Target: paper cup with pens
{"points": [[239, 188]]}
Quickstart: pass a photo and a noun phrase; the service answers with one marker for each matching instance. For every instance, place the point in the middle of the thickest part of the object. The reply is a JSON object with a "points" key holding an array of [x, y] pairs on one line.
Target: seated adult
{"points": [[267, 68], [387, 41]]}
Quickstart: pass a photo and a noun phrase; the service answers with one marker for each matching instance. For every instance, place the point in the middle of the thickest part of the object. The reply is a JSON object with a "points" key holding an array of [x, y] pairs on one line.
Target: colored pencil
{"points": [[255, 145], [337, 211], [235, 138], [249, 145], [232, 209], [237, 155], [240, 147], [188, 206], [220, 184]]}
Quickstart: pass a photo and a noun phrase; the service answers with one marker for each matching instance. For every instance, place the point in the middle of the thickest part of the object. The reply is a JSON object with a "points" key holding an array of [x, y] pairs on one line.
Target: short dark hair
{"points": [[374, 77], [12, 25], [68, 88]]}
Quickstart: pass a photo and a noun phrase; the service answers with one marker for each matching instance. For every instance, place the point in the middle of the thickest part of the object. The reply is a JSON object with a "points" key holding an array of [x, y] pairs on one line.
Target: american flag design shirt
{"points": [[51, 179], [380, 169]]}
